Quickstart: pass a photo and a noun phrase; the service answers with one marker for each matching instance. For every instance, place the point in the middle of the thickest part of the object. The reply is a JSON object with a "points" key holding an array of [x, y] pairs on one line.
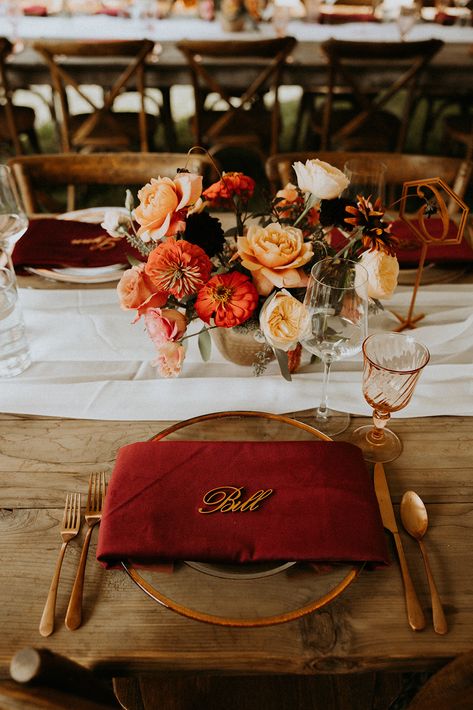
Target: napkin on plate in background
{"points": [[56, 243], [171, 500]]}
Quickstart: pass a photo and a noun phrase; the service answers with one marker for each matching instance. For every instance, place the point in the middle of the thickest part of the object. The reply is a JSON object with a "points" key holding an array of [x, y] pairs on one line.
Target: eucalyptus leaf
{"points": [[205, 344], [133, 261], [283, 363]]}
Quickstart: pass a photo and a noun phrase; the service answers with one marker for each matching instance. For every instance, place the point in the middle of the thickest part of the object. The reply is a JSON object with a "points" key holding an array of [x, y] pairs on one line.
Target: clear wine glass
{"points": [[336, 301], [13, 219], [407, 17], [367, 177], [392, 366]]}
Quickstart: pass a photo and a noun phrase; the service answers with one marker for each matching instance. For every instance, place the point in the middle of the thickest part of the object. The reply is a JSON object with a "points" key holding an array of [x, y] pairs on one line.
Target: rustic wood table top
{"points": [[41, 459]]}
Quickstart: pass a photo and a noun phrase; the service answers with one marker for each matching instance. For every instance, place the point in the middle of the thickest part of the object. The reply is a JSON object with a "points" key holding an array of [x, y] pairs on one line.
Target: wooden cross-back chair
{"points": [[14, 120], [399, 167], [36, 175], [218, 67], [102, 128], [369, 125]]}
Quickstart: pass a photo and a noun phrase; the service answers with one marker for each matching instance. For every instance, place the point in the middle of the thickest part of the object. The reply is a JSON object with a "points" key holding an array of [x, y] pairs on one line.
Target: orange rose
{"points": [[162, 201], [136, 290], [274, 255]]}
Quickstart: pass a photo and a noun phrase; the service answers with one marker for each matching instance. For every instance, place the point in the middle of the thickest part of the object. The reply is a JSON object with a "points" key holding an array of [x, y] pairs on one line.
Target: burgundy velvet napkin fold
{"points": [[408, 249], [65, 243], [36, 10], [338, 18], [322, 506]]}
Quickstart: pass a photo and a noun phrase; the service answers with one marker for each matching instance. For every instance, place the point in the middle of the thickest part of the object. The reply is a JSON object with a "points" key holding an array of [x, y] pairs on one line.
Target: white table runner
{"points": [[90, 362]]}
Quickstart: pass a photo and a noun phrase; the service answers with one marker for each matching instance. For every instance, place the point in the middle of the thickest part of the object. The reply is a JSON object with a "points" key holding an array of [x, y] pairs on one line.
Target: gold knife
{"points": [[415, 615]]}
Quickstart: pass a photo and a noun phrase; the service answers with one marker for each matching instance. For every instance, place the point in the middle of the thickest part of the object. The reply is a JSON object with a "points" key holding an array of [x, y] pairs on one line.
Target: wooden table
{"points": [[125, 632]]}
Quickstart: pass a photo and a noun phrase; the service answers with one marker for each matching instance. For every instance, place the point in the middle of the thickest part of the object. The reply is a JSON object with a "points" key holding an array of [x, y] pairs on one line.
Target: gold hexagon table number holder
{"points": [[431, 191]]}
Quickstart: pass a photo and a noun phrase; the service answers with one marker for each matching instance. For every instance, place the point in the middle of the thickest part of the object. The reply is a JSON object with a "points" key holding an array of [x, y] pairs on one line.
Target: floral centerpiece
{"points": [[254, 275]]}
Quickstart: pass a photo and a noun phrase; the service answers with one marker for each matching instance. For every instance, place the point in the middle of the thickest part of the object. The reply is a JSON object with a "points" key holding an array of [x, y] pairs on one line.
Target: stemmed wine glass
{"points": [[408, 15], [367, 177], [336, 302], [13, 219], [392, 366]]}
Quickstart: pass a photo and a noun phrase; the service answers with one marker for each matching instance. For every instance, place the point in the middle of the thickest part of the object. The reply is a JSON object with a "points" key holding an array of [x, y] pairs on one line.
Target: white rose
{"points": [[383, 271], [321, 179], [115, 222], [284, 321]]}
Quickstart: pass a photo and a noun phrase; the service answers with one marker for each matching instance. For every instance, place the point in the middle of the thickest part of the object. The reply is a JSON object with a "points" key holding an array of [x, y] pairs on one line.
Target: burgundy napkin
{"points": [[335, 18], [322, 505], [64, 243], [36, 10], [408, 249]]}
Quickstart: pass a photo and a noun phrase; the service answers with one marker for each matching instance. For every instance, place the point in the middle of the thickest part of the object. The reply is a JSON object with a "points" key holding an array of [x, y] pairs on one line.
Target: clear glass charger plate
{"points": [[91, 275], [243, 595]]}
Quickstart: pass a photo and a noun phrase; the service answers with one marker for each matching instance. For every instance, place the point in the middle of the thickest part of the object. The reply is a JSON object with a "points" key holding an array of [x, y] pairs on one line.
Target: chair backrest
{"points": [[399, 167], [261, 60], [125, 61], [36, 173], [346, 62], [43, 679], [6, 93]]}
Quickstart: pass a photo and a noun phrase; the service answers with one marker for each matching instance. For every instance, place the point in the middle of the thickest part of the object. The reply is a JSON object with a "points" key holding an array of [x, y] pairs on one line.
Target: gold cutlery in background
{"points": [[415, 615], [69, 528], [93, 515], [415, 520]]}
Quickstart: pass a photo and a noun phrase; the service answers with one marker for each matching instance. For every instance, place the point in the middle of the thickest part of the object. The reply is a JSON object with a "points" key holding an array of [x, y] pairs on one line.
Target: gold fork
{"points": [[69, 528], [93, 515]]}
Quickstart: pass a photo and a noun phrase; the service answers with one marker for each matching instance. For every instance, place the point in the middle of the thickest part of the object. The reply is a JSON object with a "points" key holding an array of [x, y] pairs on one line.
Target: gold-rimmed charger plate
{"points": [[244, 595]]}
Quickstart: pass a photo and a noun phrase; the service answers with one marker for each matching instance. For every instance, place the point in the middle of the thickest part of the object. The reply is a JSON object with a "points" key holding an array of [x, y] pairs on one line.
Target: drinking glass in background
{"points": [[336, 301], [367, 177], [407, 17], [463, 12], [392, 363], [14, 352], [13, 219]]}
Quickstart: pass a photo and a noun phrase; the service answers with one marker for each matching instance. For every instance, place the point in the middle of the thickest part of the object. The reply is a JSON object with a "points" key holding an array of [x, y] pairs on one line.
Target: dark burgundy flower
{"points": [[206, 232]]}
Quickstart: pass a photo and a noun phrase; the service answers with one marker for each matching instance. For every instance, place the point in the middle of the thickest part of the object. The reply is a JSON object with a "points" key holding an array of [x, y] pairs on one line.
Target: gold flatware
{"points": [[93, 515], [415, 520], [415, 615], [69, 528]]}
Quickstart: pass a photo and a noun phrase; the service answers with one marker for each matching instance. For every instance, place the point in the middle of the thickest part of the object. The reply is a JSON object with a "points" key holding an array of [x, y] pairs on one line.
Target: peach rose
{"points": [[383, 272], [284, 321], [169, 359], [321, 179], [136, 290], [163, 326], [162, 201], [274, 255]]}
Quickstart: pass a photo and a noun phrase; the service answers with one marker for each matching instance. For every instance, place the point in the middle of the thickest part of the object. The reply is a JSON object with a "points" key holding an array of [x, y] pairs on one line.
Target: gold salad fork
{"points": [[69, 528], [93, 515]]}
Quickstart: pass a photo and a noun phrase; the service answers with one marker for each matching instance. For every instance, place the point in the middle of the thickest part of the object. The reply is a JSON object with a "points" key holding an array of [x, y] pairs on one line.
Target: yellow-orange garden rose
{"points": [[284, 321], [161, 202], [274, 255], [383, 272]]}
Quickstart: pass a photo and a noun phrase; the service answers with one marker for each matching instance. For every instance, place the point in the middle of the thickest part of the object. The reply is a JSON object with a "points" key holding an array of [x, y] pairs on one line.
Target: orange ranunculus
{"points": [[136, 290], [178, 267], [221, 193], [162, 205], [274, 255], [229, 298]]}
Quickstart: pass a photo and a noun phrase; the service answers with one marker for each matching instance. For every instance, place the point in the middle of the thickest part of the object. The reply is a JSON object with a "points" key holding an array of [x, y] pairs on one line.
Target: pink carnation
{"points": [[165, 326], [169, 359]]}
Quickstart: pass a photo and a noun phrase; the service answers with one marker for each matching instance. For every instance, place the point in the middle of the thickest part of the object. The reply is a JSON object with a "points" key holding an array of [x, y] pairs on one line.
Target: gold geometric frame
{"points": [[418, 225]]}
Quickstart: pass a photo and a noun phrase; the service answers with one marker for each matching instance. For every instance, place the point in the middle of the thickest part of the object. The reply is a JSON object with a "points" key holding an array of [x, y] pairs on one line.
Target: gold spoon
{"points": [[415, 520]]}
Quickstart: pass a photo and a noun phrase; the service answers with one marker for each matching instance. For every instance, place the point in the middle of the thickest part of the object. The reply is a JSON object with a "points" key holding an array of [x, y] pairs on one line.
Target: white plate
{"points": [[92, 275]]}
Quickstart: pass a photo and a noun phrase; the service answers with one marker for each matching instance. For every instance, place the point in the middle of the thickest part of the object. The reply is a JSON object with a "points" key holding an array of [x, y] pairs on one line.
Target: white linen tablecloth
{"points": [[90, 362]]}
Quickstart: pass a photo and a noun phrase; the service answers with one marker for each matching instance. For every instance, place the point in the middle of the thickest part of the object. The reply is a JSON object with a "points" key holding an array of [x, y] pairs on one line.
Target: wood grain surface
{"points": [[42, 459]]}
